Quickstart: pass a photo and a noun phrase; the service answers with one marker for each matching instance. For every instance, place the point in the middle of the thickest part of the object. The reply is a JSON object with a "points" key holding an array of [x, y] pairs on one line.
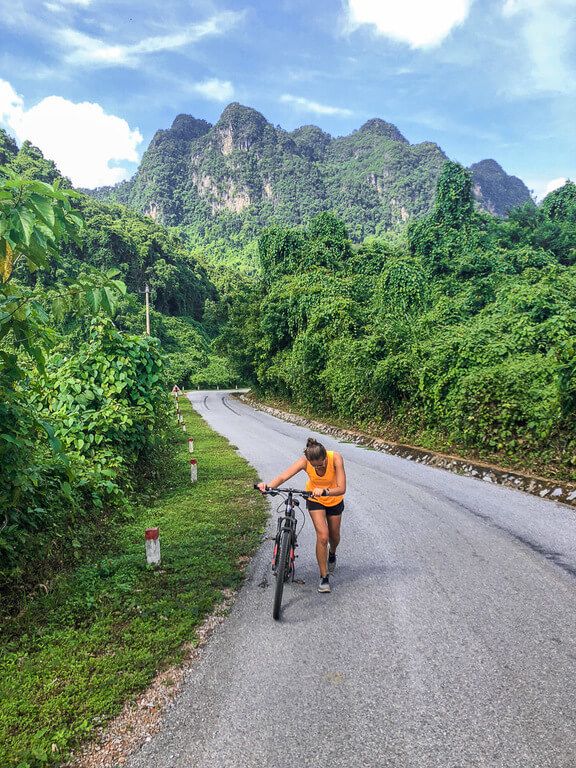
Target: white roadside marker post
{"points": [[191, 444], [152, 537], [183, 426], [193, 470]]}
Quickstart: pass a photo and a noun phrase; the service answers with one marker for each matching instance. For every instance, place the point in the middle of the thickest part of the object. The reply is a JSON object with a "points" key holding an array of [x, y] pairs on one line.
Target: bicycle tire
{"points": [[281, 570]]}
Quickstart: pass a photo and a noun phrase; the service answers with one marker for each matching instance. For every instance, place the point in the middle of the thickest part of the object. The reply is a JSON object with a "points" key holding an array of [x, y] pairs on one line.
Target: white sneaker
{"points": [[324, 585]]}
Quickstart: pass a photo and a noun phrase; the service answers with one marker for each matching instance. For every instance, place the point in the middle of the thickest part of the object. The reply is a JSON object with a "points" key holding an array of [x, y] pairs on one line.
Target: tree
{"points": [[8, 148], [560, 205], [281, 252], [454, 204], [452, 227], [34, 219], [30, 163]]}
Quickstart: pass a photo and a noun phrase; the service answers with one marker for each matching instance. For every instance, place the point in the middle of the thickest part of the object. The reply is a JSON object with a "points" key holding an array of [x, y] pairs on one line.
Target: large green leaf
{"points": [[27, 223], [44, 208]]}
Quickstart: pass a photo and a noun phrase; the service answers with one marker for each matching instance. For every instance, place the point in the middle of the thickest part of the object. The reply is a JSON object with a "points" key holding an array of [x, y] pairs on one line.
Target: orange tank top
{"points": [[327, 480]]}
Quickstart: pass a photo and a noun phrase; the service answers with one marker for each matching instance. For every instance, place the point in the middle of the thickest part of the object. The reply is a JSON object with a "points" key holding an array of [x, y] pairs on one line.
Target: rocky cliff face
{"points": [[495, 190], [243, 166]]}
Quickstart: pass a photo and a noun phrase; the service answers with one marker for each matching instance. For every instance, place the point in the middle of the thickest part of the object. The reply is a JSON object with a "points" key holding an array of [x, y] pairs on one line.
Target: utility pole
{"points": [[147, 292]]}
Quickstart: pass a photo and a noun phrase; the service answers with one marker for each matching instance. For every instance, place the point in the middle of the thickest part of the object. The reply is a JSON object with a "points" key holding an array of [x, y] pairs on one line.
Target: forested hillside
{"points": [[226, 181], [459, 334]]}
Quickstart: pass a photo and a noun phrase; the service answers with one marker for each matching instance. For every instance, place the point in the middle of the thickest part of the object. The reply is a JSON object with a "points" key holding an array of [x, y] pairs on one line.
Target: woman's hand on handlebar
{"points": [[262, 487]]}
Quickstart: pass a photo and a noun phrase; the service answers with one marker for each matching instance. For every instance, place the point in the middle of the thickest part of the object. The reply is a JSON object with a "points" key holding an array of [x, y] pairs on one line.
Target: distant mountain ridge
{"points": [[252, 173]]}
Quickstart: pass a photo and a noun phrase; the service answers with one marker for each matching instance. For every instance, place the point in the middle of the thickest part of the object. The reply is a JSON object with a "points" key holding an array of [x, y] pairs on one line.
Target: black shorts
{"points": [[337, 509]]}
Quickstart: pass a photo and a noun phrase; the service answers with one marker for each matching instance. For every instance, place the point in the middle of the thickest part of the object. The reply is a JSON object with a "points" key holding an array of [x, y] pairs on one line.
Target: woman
{"points": [[327, 482]]}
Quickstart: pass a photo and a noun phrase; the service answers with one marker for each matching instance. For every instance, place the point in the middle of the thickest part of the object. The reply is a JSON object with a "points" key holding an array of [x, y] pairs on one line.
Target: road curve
{"points": [[449, 638]]}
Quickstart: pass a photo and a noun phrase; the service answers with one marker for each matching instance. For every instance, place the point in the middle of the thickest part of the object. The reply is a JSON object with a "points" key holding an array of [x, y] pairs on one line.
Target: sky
{"points": [[90, 81]]}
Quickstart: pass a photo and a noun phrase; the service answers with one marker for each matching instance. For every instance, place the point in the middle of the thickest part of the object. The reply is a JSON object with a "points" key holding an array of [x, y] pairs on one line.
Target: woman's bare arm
{"points": [[292, 470]]}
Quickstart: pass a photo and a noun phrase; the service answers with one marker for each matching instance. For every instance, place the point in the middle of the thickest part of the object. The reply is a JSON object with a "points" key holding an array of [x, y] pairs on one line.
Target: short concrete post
{"points": [[152, 537], [183, 426], [191, 444], [193, 470]]}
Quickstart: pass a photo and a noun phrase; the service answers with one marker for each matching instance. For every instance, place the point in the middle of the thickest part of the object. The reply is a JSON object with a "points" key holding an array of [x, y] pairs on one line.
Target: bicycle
{"points": [[285, 542]]}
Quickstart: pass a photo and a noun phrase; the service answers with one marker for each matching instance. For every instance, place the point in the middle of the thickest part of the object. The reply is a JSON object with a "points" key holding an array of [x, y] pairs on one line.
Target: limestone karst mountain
{"points": [[250, 173]]}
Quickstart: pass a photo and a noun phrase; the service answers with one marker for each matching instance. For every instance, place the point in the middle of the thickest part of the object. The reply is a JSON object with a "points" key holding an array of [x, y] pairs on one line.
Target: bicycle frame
{"points": [[286, 522]]}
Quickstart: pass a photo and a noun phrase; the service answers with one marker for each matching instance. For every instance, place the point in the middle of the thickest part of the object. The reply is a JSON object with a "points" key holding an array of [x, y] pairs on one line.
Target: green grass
{"points": [[70, 660]]}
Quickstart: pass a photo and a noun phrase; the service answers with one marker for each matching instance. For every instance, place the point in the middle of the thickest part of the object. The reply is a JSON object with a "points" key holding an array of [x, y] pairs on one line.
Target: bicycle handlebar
{"points": [[275, 491]]}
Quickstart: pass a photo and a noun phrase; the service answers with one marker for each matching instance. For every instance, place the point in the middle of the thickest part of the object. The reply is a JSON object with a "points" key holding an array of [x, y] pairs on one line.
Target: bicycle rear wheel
{"points": [[282, 564]]}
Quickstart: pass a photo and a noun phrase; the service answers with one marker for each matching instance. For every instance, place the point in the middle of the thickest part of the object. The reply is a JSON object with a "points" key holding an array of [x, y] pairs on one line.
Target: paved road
{"points": [[449, 638]]}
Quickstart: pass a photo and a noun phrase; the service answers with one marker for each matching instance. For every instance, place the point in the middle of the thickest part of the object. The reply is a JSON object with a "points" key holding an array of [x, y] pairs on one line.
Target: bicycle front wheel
{"points": [[281, 571]]}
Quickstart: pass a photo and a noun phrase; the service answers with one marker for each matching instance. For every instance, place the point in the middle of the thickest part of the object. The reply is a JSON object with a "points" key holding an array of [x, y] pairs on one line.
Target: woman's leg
{"points": [[321, 525], [334, 522]]}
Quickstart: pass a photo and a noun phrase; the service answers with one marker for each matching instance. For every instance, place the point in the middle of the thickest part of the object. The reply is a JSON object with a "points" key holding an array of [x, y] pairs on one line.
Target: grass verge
{"points": [[73, 656]]}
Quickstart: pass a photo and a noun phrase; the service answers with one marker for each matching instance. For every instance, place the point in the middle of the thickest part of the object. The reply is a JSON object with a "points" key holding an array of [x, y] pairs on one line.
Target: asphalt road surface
{"points": [[449, 638]]}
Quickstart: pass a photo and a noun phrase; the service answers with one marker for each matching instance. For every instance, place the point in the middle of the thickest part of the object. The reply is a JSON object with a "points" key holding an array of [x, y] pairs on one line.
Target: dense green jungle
{"points": [[455, 330]]}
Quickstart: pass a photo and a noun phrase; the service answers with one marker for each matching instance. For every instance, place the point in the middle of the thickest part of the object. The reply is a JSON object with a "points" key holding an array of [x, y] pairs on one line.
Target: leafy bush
{"points": [[72, 429], [102, 407], [465, 337], [508, 407]]}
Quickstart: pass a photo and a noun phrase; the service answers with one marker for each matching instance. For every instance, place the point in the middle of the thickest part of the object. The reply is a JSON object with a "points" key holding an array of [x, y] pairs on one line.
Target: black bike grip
{"points": [[257, 488]]}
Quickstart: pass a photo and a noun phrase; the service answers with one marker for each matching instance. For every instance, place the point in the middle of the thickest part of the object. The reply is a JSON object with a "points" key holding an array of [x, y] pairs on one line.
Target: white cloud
{"points": [[80, 138], [89, 50], [306, 105], [555, 184], [542, 187], [216, 90], [11, 105], [547, 30], [420, 23], [84, 50], [61, 5]]}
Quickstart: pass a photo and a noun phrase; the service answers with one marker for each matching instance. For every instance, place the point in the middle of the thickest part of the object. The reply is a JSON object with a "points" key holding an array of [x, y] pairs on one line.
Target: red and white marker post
{"points": [[152, 537], [193, 470]]}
